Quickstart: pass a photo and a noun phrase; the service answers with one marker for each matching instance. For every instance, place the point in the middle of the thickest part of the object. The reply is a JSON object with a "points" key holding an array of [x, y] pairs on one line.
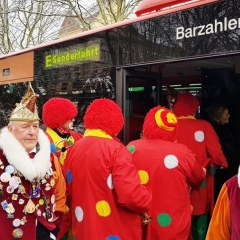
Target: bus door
{"points": [[141, 92]]}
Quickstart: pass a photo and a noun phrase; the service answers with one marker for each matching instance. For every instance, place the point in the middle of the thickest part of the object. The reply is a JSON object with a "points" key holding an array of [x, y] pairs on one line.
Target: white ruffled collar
{"points": [[17, 156]]}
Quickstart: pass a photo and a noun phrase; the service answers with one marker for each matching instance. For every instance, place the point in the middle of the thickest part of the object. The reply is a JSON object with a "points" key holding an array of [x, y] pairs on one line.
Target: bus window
{"points": [[140, 98]]}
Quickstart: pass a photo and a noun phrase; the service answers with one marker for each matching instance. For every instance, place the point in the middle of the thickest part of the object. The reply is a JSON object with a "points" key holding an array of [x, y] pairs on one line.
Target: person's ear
{"points": [[9, 128]]}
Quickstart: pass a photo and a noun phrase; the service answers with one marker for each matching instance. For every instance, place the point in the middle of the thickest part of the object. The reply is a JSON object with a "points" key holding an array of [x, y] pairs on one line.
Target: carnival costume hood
{"points": [[160, 123], [186, 105], [57, 111]]}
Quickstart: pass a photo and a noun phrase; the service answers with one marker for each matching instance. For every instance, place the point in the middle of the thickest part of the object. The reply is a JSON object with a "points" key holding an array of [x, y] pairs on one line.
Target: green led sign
{"points": [[90, 53]]}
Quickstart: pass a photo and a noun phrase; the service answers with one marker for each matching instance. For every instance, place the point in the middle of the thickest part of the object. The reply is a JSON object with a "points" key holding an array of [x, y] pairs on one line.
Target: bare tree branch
{"points": [[24, 23]]}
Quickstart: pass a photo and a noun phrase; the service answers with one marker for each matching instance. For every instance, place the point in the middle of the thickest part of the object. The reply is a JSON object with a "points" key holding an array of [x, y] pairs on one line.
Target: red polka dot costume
{"points": [[199, 136], [167, 168], [105, 191]]}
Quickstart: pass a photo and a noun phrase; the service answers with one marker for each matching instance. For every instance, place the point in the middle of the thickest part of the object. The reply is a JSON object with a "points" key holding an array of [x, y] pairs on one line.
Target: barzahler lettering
{"points": [[217, 26]]}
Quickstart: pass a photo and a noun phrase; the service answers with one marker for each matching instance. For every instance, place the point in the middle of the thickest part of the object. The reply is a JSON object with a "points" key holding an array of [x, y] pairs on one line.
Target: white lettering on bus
{"points": [[210, 28]]}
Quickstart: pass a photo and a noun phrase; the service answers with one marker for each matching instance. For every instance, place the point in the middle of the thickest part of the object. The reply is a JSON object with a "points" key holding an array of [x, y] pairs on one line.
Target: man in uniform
{"points": [[32, 187]]}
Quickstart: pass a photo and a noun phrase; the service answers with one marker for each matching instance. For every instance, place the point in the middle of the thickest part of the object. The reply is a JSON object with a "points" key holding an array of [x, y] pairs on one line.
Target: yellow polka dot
{"points": [[143, 176], [103, 208]]}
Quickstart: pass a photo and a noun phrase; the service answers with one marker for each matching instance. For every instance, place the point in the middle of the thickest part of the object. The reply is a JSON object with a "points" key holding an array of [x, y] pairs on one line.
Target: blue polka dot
{"points": [[113, 237], [69, 176], [53, 148]]}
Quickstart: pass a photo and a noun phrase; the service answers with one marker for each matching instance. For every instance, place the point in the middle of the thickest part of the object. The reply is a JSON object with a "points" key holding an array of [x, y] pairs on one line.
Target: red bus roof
{"points": [[190, 4], [148, 6]]}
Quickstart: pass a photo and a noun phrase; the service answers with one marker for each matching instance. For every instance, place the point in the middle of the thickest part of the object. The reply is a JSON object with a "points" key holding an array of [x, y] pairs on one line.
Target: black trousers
{"points": [[44, 234]]}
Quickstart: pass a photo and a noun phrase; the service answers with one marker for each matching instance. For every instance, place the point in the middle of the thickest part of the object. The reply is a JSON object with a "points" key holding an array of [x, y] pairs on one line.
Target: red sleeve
{"points": [[60, 187], [214, 148], [220, 224], [131, 193], [194, 172]]}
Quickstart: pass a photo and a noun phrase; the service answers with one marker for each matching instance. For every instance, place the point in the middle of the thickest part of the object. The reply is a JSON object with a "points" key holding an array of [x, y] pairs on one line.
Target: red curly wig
{"points": [[160, 123], [57, 111], [186, 105], [104, 114]]}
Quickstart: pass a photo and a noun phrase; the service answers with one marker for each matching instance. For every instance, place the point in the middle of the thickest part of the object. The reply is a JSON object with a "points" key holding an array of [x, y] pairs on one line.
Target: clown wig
{"points": [[186, 105], [104, 114], [57, 111], [160, 123]]}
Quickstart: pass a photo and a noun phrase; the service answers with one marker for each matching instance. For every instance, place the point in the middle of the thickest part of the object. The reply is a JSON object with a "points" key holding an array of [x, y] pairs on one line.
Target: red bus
{"points": [[192, 46]]}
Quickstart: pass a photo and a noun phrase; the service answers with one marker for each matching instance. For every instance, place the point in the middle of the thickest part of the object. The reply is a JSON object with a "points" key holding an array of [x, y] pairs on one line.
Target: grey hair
{"points": [[12, 124]]}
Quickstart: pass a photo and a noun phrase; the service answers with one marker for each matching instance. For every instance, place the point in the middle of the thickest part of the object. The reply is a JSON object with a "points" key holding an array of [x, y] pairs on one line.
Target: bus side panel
{"points": [[18, 68]]}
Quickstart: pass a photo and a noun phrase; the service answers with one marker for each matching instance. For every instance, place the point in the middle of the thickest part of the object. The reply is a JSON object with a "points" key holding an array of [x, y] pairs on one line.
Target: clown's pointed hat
{"points": [[26, 110]]}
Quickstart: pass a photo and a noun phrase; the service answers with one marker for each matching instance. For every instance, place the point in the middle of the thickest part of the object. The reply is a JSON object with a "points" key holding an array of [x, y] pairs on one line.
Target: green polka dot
{"points": [[131, 148], [164, 219], [74, 238], [65, 237], [203, 185]]}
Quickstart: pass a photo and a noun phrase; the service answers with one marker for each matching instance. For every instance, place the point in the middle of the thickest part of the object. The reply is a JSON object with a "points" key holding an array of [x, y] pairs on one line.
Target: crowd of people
{"points": [[58, 184]]}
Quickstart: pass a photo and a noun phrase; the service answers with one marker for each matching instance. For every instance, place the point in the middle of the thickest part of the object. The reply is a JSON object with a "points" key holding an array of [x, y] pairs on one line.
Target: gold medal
{"points": [[41, 202], [30, 207], [55, 175], [21, 189], [52, 182], [17, 233], [10, 208]]}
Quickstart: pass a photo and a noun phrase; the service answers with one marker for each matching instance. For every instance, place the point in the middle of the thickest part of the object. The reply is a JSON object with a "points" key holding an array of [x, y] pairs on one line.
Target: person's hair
{"points": [[12, 124], [215, 112], [160, 123]]}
